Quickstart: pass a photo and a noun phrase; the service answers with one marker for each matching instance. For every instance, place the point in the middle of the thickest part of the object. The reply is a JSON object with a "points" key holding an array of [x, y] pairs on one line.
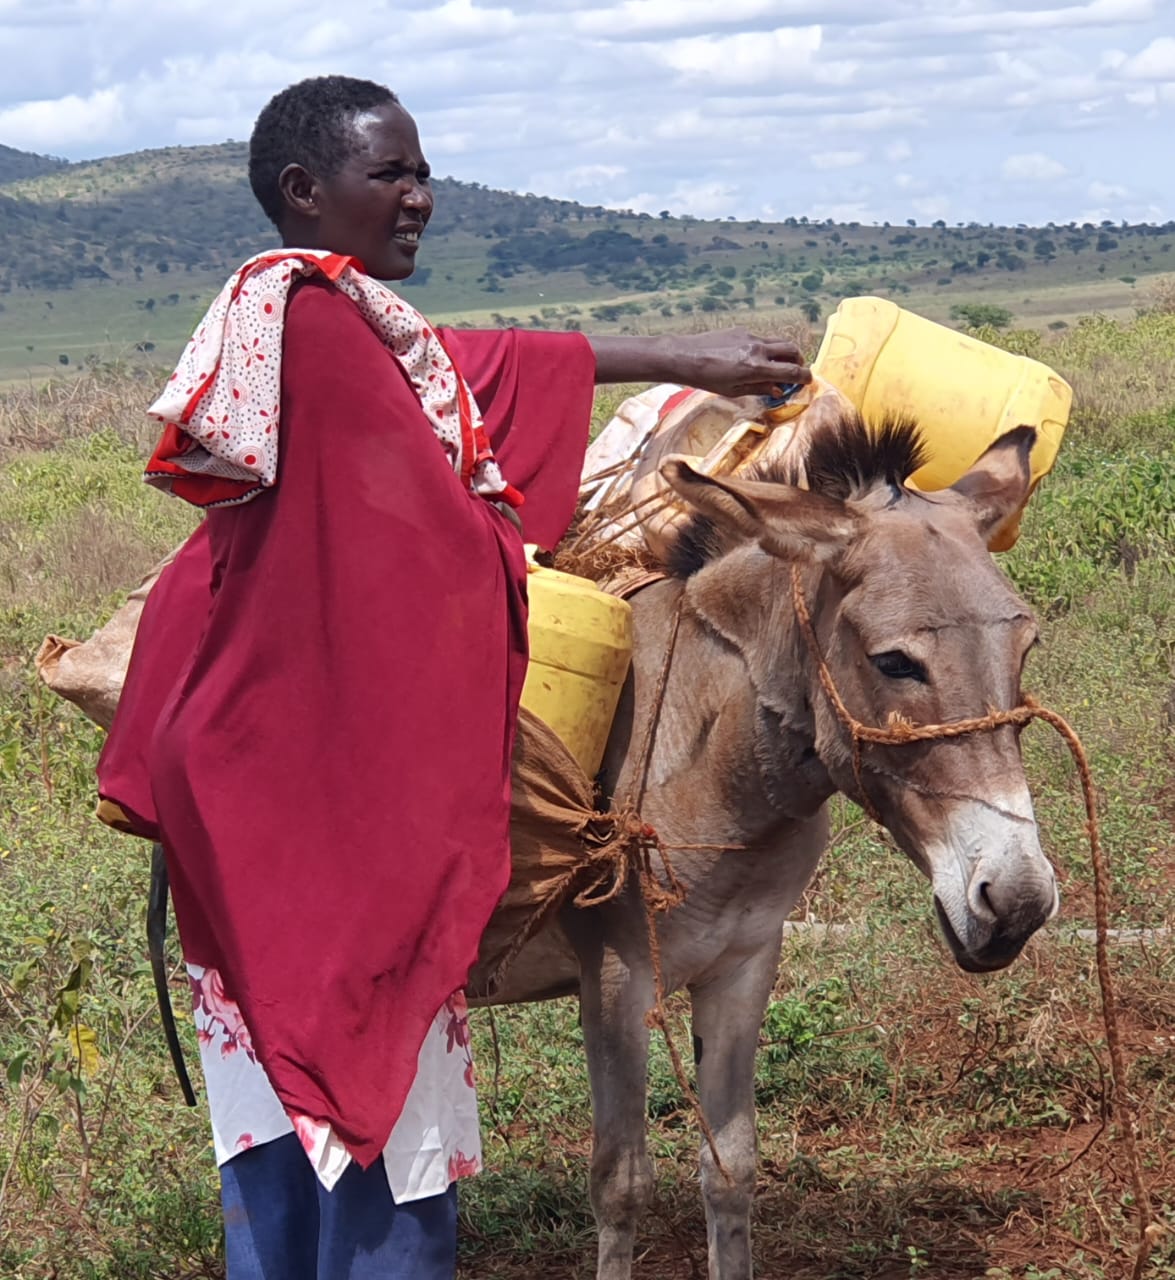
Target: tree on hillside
{"points": [[976, 315]]}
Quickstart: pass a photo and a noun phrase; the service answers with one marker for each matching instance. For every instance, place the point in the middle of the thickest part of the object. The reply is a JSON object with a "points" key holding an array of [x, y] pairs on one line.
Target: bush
{"points": [[977, 315], [1092, 516]]}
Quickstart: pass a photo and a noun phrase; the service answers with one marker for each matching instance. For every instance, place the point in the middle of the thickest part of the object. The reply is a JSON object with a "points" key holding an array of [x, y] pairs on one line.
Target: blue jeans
{"points": [[280, 1223]]}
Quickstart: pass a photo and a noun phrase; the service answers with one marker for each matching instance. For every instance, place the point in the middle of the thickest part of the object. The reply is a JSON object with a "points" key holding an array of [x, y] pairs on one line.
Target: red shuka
{"points": [[319, 713]]}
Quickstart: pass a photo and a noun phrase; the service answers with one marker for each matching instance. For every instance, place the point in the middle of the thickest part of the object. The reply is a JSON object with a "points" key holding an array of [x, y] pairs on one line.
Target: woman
{"points": [[319, 714]]}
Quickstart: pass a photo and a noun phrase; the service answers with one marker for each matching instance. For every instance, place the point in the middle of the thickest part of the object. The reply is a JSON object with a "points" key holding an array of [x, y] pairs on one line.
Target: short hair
{"points": [[307, 124]]}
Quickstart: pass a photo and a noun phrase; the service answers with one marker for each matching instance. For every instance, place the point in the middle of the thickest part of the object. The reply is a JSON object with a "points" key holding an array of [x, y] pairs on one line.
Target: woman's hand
{"points": [[731, 362]]}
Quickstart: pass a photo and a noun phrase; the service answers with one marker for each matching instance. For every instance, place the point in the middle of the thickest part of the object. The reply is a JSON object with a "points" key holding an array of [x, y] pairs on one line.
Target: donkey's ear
{"points": [[999, 484], [787, 522]]}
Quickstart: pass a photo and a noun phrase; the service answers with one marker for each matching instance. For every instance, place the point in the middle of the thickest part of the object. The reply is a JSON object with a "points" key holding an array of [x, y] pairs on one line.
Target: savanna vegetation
{"points": [[915, 1121], [15, 164], [117, 258]]}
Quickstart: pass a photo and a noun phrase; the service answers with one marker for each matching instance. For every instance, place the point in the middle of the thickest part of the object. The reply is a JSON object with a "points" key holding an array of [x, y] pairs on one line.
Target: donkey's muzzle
{"points": [[997, 925]]}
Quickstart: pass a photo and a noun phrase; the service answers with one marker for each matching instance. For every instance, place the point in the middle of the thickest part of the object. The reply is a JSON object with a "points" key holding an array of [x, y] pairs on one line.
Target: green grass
{"points": [[99, 324], [914, 1121], [109, 322]]}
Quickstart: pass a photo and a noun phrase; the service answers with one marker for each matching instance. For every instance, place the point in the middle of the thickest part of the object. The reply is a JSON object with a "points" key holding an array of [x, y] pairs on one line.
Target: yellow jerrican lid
{"points": [[964, 393], [580, 650]]}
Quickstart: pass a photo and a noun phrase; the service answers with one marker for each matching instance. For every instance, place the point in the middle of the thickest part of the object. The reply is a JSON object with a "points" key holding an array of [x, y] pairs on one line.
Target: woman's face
{"points": [[376, 206]]}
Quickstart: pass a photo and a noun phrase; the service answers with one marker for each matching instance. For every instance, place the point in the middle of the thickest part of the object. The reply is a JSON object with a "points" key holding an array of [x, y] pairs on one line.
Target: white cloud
{"points": [[722, 108], [836, 159], [872, 119], [456, 22], [1005, 21], [846, 211], [588, 175], [1102, 191], [640, 18], [65, 122], [324, 39], [1033, 166], [746, 58], [932, 207], [702, 200], [1155, 62], [453, 143], [684, 124], [648, 17]]}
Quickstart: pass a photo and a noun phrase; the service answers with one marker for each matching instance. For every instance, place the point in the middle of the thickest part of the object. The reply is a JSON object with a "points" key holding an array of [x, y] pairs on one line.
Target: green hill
{"points": [[191, 208], [109, 255], [15, 165]]}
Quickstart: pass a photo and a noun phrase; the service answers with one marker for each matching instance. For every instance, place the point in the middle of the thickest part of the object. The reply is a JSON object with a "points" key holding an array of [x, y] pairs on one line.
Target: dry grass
{"points": [[45, 414], [77, 525], [1159, 295], [1122, 374], [914, 1121]]}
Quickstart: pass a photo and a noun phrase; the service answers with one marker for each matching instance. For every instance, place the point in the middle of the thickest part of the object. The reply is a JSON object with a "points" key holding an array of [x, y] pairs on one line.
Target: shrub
{"points": [[976, 315]]}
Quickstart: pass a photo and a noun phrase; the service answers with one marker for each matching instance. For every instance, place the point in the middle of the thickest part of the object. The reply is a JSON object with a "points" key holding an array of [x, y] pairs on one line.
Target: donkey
{"points": [[911, 615]]}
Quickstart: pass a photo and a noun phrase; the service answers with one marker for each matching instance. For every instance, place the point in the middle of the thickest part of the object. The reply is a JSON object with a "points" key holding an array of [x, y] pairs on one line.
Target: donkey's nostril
{"points": [[979, 897]]}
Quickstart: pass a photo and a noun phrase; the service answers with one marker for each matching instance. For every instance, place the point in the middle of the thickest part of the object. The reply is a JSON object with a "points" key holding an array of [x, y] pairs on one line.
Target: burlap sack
{"points": [[561, 848], [90, 673]]}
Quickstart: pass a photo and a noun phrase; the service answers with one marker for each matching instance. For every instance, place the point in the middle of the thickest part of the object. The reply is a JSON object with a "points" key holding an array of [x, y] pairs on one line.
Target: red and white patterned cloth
{"points": [[435, 1141], [222, 405]]}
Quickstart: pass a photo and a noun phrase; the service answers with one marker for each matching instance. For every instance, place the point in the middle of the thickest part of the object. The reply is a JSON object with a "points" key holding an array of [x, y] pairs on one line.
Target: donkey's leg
{"points": [[727, 1014], [616, 991], [622, 1174]]}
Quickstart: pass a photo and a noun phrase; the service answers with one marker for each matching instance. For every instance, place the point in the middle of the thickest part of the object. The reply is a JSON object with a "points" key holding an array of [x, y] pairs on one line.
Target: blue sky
{"points": [[993, 110]]}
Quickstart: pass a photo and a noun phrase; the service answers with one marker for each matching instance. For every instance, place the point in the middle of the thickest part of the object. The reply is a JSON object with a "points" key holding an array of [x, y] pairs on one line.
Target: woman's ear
{"points": [[299, 189]]}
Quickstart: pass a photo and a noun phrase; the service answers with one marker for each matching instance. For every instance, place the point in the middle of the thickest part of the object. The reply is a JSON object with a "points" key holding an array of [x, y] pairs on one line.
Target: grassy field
{"points": [[914, 1121], [104, 323]]}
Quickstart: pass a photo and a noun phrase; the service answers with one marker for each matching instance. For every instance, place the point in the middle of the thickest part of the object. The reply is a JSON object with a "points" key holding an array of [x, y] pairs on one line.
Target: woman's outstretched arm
{"points": [[731, 362]]}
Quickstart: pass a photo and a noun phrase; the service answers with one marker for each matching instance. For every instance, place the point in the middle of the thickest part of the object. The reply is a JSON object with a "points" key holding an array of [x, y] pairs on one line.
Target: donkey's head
{"points": [[911, 616]]}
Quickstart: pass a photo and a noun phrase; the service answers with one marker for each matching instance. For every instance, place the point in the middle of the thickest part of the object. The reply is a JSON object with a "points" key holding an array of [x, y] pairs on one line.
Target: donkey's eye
{"points": [[896, 665]]}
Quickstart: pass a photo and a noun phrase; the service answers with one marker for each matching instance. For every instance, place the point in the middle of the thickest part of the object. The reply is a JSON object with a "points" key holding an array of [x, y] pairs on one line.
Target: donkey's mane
{"points": [[845, 461]]}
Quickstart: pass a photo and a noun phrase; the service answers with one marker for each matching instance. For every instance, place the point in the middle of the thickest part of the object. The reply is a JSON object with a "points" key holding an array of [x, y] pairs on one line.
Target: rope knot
{"points": [[627, 848], [899, 727]]}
